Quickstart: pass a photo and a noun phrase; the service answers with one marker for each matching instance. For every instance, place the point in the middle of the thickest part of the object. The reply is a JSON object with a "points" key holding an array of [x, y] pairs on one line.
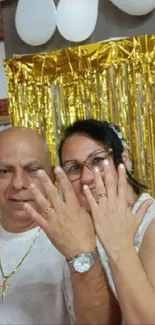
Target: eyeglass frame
{"points": [[85, 164]]}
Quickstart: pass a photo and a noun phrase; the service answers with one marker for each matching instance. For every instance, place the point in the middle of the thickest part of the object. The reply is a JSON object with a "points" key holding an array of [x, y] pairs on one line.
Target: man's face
{"points": [[20, 158]]}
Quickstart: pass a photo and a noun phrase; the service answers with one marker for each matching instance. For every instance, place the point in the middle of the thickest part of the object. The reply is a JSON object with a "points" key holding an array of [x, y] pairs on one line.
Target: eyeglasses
{"points": [[74, 169]]}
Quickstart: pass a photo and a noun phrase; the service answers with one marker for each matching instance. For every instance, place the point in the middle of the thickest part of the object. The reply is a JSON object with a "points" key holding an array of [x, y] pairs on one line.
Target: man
{"points": [[31, 268]]}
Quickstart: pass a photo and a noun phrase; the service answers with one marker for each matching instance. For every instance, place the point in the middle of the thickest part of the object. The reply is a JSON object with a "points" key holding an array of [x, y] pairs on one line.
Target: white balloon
{"points": [[135, 7], [76, 19], [35, 21]]}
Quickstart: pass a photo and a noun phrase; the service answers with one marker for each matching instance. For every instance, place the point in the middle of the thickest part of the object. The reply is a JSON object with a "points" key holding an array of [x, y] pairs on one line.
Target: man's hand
{"points": [[67, 224]]}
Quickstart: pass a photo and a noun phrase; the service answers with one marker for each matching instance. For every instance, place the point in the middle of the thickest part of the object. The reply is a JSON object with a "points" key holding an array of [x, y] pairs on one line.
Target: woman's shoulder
{"points": [[143, 197], [148, 218]]}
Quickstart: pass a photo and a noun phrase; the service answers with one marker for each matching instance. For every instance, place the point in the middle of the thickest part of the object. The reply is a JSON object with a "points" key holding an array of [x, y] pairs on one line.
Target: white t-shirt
{"points": [[35, 294]]}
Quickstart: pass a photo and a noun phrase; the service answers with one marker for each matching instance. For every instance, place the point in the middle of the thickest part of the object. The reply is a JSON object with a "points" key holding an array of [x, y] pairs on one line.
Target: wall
{"points": [[3, 87], [111, 23]]}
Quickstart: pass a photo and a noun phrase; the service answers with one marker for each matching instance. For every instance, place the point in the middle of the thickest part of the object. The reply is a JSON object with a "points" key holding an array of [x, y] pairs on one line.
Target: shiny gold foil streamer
{"points": [[113, 80]]}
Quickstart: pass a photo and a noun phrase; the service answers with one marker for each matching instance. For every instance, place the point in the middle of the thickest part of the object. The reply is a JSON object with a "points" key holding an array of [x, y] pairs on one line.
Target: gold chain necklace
{"points": [[5, 286]]}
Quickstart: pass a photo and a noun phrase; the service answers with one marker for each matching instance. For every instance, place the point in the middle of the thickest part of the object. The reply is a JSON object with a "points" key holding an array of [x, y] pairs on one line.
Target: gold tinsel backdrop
{"points": [[112, 80]]}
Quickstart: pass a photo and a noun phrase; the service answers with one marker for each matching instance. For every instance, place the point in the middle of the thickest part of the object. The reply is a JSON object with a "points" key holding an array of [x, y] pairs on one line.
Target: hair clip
{"points": [[119, 134]]}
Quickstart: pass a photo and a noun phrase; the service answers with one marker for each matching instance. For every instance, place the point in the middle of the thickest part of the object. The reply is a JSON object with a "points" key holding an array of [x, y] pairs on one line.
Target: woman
{"points": [[95, 158]]}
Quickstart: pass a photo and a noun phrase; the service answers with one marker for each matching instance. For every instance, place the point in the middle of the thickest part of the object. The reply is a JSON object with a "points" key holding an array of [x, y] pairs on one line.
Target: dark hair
{"points": [[104, 132]]}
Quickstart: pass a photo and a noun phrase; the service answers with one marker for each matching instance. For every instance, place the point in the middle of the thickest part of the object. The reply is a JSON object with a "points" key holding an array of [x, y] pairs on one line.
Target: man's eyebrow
{"points": [[33, 163], [5, 165]]}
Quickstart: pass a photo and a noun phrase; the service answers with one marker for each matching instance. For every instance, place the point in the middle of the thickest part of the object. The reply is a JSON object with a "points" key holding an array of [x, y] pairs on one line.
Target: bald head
{"points": [[27, 142], [25, 133]]}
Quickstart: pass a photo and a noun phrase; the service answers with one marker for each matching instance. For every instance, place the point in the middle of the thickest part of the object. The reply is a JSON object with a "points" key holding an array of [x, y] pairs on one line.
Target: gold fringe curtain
{"points": [[112, 80]]}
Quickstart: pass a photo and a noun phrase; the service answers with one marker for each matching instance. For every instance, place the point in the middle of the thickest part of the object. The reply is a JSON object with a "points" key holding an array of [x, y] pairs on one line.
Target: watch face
{"points": [[82, 263]]}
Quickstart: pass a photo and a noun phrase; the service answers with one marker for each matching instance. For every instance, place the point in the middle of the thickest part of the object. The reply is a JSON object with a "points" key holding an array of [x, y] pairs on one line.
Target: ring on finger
{"points": [[47, 210], [101, 195]]}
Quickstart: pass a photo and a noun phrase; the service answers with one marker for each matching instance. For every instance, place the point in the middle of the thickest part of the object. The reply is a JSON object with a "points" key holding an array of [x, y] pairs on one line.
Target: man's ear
{"points": [[52, 175], [126, 160]]}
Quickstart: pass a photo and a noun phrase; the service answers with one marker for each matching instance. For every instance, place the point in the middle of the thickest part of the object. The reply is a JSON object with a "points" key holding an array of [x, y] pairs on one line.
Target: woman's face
{"points": [[75, 151]]}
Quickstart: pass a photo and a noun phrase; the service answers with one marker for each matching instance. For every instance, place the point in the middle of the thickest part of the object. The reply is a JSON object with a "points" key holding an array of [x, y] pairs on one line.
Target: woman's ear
{"points": [[126, 160]]}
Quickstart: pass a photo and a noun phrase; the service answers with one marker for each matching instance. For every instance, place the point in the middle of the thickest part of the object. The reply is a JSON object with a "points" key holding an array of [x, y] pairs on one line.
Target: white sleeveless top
{"points": [[149, 216]]}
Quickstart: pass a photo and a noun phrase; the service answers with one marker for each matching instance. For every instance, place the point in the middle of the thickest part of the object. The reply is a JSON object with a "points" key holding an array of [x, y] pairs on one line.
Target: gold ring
{"points": [[101, 195], [48, 210]]}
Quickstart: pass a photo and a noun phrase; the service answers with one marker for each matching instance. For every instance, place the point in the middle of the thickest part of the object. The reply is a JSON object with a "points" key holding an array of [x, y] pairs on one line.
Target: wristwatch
{"points": [[83, 262]]}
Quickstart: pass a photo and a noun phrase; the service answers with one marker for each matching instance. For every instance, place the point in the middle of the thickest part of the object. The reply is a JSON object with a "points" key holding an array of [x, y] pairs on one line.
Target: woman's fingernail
{"points": [[96, 169], [121, 166], [85, 187], [106, 162], [58, 170]]}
